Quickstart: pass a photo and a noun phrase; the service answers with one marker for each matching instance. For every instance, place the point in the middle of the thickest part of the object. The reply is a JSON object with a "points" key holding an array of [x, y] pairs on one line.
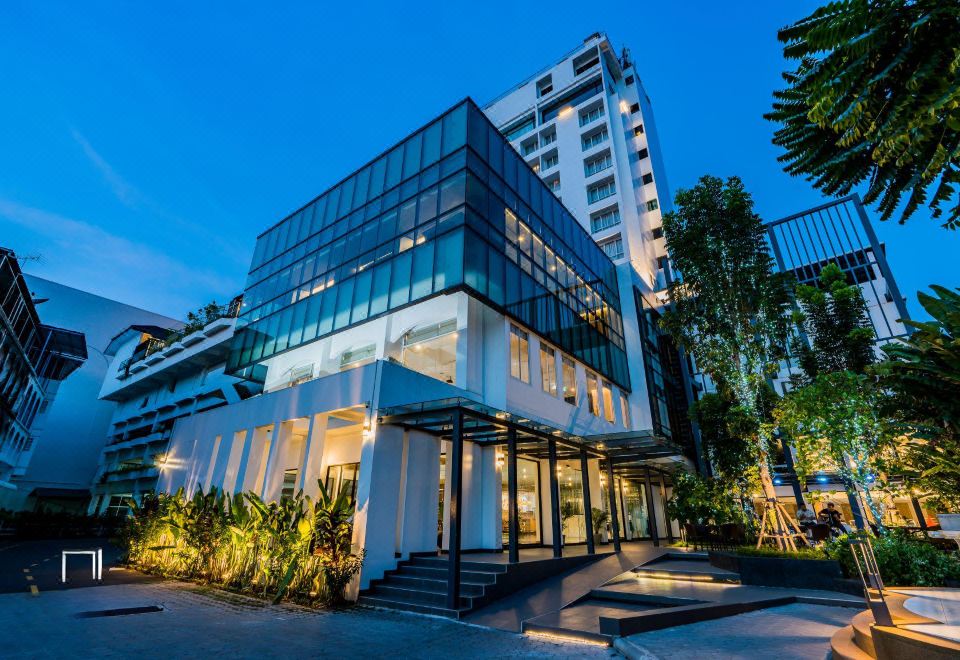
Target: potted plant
{"points": [[567, 511], [600, 520]]}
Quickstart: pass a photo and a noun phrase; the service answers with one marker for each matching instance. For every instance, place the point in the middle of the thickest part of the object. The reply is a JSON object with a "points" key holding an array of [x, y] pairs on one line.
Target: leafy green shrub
{"points": [[294, 548], [699, 500], [903, 560]]}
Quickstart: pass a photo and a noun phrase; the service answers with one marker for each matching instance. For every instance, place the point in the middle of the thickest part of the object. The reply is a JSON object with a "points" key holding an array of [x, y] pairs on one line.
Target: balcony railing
{"points": [[153, 345]]}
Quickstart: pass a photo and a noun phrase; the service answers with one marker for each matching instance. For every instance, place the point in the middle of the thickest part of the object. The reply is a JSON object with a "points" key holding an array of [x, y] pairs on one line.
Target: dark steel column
{"points": [[663, 501], [456, 491], [651, 512], [858, 519], [921, 521], [613, 506], [513, 522], [555, 499], [792, 473], [587, 505]]}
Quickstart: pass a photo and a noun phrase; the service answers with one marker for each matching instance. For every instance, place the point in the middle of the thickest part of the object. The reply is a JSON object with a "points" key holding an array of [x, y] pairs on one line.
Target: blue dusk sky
{"points": [[145, 145]]}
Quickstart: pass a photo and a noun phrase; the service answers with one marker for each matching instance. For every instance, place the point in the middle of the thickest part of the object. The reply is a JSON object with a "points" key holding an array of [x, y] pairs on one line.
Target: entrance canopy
{"points": [[486, 425]]}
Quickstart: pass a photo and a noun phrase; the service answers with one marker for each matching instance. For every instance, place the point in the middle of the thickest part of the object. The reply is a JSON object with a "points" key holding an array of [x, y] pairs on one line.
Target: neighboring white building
{"points": [[153, 382], [585, 125], [35, 358], [69, 436]]}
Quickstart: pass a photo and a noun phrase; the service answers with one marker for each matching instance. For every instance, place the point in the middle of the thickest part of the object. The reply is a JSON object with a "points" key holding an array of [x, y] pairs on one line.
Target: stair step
{"points": [[441, 573], [429, 584], [396, 603], [443, 562], [686, 574], [862, 634], [433, 598], [844, 647]]}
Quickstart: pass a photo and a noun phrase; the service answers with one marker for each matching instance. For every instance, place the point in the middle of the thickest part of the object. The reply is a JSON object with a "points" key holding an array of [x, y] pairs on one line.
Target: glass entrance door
{"points": [[528, 502], [571, 504], [635, 505]]}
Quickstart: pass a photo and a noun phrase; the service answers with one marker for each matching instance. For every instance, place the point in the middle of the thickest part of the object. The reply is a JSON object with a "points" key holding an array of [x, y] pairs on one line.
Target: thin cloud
{"points": [[90, 258], [123, 190]]}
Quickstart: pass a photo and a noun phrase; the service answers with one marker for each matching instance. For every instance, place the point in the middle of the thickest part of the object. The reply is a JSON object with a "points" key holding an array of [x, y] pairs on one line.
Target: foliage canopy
{"points": [[875, 99]]}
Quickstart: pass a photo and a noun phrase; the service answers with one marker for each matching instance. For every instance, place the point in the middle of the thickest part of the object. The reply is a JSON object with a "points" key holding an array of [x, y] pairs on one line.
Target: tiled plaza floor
{"points": [[791, 632], [204, 623]]}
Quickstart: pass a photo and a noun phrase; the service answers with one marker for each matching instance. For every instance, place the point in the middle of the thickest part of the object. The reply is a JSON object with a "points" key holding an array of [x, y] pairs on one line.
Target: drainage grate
{"points": [[120, 611]]}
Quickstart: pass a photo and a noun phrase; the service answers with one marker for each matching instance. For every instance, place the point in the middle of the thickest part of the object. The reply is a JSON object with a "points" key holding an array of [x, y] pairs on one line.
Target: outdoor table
{"points": [[96, 556], [947, 534]]}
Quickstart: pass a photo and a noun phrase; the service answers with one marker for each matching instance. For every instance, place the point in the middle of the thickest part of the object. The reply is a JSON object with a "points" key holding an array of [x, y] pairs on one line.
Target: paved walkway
{"points": [[36, 563], [791, 632], [553, 593], [199, 622]]}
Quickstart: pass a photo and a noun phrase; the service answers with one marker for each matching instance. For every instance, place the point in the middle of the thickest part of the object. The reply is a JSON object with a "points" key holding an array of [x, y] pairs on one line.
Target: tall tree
{"points": [[923, 372], [875, 99], [836, 420], [831, 418], [837, 333], [730, 310]]}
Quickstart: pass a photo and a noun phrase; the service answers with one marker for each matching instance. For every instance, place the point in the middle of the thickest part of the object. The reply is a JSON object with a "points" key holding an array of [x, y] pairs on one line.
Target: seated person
{"points": [[832, 516], [805, 516]]}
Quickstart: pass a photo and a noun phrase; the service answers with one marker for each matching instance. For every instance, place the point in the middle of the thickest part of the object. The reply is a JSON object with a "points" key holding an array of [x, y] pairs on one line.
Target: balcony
{"points": [[154, 361], [153, 351]]}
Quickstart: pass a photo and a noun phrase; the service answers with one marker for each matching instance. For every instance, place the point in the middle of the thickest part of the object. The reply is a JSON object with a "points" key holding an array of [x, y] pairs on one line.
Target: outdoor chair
{"points": [[732, 535], [819, 533]]}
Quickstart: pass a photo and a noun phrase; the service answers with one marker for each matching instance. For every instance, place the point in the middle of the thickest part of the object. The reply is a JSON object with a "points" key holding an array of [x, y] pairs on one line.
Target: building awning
{"points": [[65, 351], [487, 425]]}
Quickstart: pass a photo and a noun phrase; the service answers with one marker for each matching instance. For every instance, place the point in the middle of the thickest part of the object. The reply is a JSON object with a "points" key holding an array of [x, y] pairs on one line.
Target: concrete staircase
{"points": [[419, 584]]}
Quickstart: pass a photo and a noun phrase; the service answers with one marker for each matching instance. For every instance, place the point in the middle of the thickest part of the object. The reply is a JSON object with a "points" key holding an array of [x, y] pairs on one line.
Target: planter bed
{"points": [[825, 574]]}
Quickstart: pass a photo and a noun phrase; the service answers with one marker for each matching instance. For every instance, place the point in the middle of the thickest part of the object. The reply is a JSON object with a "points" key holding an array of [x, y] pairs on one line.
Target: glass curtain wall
{"points": [[394, 232]]}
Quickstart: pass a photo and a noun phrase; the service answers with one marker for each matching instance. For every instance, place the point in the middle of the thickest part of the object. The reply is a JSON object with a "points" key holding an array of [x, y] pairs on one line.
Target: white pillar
{"points": [[233, 469], [268, 486], [417, 519], [313, 455], [374, 528]]}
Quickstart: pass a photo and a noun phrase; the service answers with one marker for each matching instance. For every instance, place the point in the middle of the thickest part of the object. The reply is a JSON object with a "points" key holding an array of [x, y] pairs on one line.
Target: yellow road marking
{"points": [[33, 590], [30, 578]]}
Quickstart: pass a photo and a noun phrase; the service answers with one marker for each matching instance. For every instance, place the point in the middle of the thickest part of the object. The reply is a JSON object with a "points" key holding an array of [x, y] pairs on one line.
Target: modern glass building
{"points": [[452, 207]]}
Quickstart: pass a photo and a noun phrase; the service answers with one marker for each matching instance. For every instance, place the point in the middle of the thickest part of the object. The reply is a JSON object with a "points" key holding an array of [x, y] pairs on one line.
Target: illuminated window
{"points": [[625, 409], [608, 411], [569, 382], [519, 354], [343, 479], [593, 394], [432, 350], [548, 370]]}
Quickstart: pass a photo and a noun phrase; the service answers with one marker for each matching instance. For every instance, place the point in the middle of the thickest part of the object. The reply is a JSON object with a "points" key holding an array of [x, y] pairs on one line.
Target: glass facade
{"points": [[394, 232]]}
